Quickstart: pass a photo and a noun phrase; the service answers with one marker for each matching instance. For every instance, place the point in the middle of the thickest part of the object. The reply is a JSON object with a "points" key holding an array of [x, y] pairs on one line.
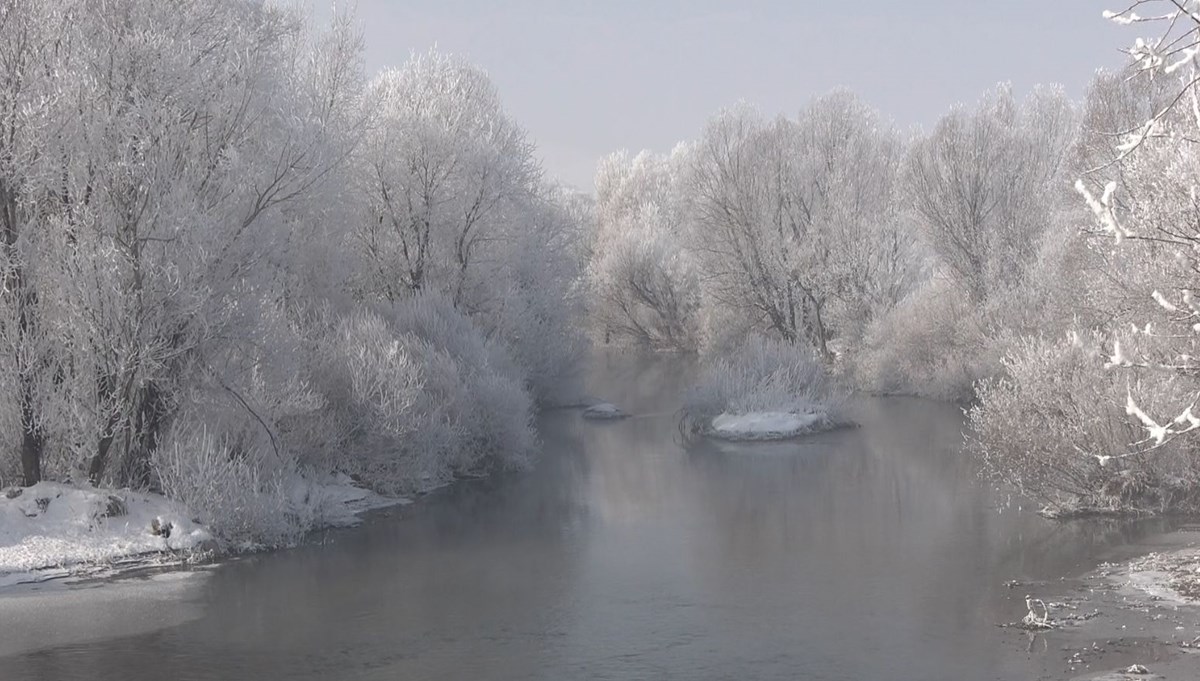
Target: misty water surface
{"points": [[863, 554]]}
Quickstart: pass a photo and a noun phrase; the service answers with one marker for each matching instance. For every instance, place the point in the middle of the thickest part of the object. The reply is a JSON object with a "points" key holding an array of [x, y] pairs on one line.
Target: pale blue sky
{"points": [[586, 77]]}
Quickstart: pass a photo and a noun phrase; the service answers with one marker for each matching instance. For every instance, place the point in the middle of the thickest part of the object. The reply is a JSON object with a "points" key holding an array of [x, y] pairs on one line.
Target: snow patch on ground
{"points": [[767, 425], [49, 528], [55, 530], [340, 502]]}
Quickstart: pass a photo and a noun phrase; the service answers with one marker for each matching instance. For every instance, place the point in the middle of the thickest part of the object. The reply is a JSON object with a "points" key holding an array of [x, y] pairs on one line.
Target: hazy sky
{"points": [[587, 77]]}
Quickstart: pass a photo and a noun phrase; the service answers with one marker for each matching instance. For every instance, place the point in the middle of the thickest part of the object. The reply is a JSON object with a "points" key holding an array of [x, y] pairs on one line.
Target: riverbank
{"points": [[1135, 617], [56, 531], [626, 552]]}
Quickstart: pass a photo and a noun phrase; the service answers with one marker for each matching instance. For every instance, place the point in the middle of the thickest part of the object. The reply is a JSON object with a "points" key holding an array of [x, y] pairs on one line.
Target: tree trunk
{"points": [[32, 440], [100, 460], [106, 386], [151, 412], [821, 336]]}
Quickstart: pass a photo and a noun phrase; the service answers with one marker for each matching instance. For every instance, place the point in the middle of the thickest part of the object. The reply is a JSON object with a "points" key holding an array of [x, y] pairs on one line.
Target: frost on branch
{"points": [[1078, 438], [1103, 209]]}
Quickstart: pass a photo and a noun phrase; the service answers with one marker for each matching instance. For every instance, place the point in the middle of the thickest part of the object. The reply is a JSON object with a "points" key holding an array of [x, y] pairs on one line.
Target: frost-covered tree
{"points": [[170, 152], [34, 37], [443, 171], [985, 183], [1147, 212], [1110, 403], [455, 203], [24, 55], [987, 189], [643, 282], [795, 219], [875, 260], [205, 129]]}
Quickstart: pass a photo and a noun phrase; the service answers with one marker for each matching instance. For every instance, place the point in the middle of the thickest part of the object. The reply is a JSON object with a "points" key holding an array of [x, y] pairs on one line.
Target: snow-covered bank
{"points": [[54, 530], [50, 528]]}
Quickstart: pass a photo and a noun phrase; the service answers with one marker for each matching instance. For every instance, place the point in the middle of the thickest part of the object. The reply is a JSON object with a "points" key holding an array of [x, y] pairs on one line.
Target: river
{"points": [[871, 553]]}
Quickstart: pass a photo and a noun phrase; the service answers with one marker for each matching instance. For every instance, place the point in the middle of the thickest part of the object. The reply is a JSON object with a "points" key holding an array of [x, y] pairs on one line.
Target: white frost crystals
{"points": [[1102, 208]]}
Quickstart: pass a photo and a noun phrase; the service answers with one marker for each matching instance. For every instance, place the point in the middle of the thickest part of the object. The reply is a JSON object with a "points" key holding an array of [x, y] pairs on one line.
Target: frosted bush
{"points": [[480, 385], [425, 397], [242, 498], [432, 318], [541, 332], [932, 344], [762, 375], [1054, 427], [646, 288], [539, 301]]}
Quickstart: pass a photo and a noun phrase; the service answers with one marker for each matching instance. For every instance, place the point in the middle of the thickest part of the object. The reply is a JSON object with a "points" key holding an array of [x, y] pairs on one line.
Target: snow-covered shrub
{"points": [[482, 386], [246, 496], [1108, 428], [433, 319], [425, 397], [537, 313], [932, 344], [1056, 427], [762, 375]]}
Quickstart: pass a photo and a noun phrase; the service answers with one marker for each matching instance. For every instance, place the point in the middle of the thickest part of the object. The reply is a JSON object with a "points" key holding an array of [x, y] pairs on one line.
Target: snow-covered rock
{"points": [[767, 425], [603, 412], [50, 528]]}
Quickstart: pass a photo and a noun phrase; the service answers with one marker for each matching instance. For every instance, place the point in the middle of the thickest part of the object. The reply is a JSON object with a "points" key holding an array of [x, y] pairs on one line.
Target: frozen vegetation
{"points": [[764, 389], [246, 274], [246, 270], [1032, 258]]}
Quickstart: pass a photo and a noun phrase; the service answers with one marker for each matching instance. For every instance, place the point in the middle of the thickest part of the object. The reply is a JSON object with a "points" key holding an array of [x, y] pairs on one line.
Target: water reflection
{"points": [[869, 553]]}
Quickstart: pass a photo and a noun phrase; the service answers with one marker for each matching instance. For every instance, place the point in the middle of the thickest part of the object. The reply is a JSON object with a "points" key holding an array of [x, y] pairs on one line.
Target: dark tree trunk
{"points": [[32, 440], [100, 461], [150, 417], [106, 392]]}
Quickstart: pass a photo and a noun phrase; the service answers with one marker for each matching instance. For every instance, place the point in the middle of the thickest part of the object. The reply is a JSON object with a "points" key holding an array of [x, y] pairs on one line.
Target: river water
{"points": [[863, 554]]}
